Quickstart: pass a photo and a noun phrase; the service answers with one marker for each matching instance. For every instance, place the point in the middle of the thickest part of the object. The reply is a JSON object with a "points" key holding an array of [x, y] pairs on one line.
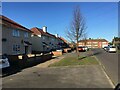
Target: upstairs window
{"points": [[26, 34], [16, 33], [43, 38], [53, 39]]}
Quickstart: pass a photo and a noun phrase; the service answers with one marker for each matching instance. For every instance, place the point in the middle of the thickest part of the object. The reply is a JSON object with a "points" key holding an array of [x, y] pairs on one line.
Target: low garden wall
{"points": [[22, 61], [66, 50], [57, 53]]}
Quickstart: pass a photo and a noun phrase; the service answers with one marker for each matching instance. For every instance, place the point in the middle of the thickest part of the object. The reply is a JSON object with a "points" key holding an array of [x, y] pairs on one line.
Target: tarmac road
{"points": [[110, 62]]}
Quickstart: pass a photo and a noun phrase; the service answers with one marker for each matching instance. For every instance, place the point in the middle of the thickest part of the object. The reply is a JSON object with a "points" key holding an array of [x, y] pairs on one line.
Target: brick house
{"points": [[116, 42], [93, 43], [16, 39]]}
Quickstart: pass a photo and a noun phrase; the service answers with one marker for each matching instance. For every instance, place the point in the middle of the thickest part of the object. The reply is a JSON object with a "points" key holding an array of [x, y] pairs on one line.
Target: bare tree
{"points": [[77, 27], [85, 38]]}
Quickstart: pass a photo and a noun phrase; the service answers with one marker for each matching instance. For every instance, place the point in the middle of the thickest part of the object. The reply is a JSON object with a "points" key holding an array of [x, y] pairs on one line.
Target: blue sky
{"points": [[101, 18]]}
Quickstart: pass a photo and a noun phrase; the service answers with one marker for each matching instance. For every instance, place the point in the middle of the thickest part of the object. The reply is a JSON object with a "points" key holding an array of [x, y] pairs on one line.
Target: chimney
{"points": [[44, 29], [56, 35]]}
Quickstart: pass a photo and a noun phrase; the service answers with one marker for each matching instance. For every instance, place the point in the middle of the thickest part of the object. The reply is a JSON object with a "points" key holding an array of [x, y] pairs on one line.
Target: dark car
{"points": [[81, 48], [105, 48]]}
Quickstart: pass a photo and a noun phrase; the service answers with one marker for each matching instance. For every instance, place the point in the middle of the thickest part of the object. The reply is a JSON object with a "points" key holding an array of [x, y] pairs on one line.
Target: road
{"points": [[110, 62]]}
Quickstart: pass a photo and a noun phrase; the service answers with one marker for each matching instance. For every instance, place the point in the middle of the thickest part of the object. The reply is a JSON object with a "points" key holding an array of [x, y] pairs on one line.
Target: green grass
{"points": [[72, 61], [118, 51]]}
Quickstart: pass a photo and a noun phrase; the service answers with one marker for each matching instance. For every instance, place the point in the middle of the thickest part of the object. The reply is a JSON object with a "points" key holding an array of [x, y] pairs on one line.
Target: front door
{"points": [[26, 49]]}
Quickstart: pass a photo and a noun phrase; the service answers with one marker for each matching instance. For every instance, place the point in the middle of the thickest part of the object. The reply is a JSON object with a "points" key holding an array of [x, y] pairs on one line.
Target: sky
{"points": [[101, 17]]}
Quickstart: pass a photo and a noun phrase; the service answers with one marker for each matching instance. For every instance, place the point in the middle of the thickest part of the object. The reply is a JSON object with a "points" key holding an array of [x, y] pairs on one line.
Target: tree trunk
{"points": [[77, 50]]}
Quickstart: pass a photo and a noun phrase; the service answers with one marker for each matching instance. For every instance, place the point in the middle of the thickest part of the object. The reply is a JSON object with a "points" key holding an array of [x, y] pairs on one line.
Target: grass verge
{"points": [[118, 51], [72, 61]]}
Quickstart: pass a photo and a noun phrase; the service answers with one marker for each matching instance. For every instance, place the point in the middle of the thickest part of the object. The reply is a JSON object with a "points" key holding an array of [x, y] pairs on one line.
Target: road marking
{"points": [[104, 71]]}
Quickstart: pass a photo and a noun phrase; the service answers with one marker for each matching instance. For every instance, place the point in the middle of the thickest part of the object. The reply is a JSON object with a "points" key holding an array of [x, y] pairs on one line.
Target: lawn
{"points": [[72, 61], [118, 51]]}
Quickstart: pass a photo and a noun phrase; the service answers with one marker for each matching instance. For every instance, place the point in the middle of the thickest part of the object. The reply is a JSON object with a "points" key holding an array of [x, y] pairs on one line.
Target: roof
{"points": [[94, 40], [116, 39], [38, 31], [63, 39], [8, 22]]}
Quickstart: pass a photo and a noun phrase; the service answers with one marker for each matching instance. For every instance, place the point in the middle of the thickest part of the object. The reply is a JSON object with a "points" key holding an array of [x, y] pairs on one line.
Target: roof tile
{"points": [[8, 22]]}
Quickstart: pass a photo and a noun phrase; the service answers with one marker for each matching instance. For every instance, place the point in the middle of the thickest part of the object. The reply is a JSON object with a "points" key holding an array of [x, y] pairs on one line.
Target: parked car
{"points": [[60, 49], [81, 48], [105, 48], [4, 63], [111, 49], [85, 48]]}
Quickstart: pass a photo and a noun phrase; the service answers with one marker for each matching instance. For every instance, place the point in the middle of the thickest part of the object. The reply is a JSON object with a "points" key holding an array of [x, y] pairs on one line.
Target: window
{"points": [[95, 42], [25, 34], [53, 39], [16, 48], [16, 33], [43, 38], [104, 42], [88, 42]]}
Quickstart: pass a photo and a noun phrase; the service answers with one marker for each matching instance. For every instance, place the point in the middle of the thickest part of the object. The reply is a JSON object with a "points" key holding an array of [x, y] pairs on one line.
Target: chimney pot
{"points": [[44, 29], [56, 35]]}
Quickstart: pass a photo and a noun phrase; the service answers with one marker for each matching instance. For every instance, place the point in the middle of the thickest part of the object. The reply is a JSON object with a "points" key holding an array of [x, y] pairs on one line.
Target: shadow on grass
{"points": [[80, 58], [89, 55]]}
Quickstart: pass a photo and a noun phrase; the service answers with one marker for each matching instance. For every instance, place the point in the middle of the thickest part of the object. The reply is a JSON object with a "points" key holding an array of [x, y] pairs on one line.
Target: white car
{"points": [[60, 49], [4, 63], [111, 49], [85, 48]]}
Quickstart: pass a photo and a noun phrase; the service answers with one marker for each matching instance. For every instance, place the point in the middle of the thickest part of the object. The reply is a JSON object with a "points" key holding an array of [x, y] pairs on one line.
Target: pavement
{"points": [[42, 76]]}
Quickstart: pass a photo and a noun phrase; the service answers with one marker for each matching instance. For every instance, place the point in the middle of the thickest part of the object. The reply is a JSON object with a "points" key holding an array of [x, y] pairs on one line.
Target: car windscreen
{"points": [[106, 47], [80, 47], [112, 46], [2, 57]]}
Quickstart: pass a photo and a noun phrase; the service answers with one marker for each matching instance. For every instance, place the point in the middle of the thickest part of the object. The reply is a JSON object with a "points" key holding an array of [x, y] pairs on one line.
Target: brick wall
{"points": [[57, 53]]}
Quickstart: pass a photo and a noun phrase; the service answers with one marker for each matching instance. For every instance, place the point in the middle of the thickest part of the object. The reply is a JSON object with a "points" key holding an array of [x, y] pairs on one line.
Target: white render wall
{"points": [[7, 46], [37, 43], [0, 39]]}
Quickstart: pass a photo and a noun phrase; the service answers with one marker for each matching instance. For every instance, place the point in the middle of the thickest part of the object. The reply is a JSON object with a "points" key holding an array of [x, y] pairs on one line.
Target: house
{"points": [[42, 40], [0, 38], [16, 39], [62, 42], [116, 42], [93, 43]]}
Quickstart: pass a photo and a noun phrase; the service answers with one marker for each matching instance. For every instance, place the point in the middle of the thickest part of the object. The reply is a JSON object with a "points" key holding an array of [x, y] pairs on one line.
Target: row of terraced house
{"points": [[17, 39]]}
